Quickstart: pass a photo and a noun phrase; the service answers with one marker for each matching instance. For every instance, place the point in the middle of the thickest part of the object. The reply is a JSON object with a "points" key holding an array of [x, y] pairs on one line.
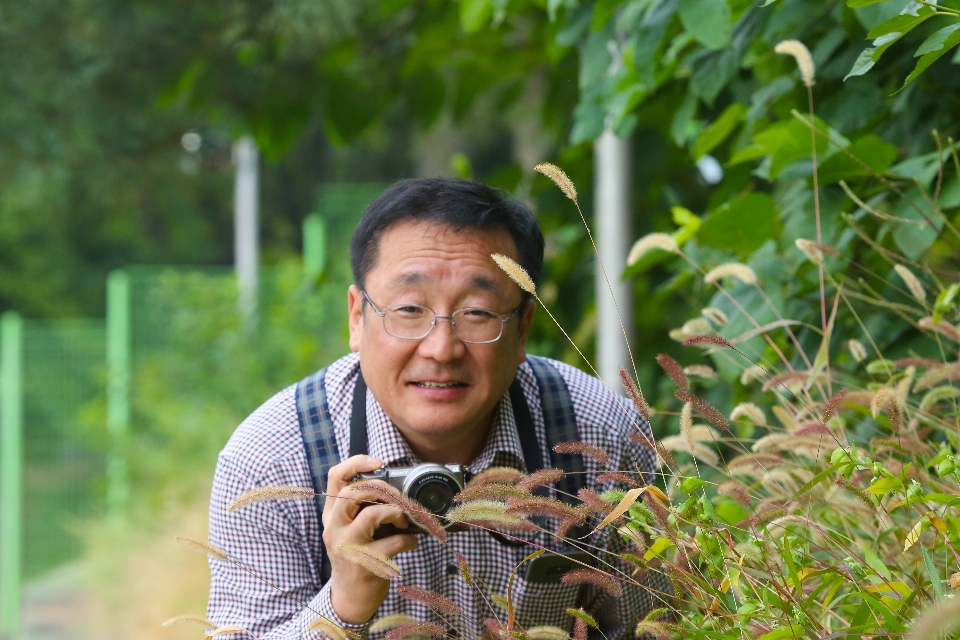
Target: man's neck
{"points": [[459, 448]]}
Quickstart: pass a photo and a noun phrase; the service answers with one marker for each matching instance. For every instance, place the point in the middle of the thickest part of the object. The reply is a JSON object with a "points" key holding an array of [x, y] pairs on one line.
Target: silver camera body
{"points": [[432, 485]]}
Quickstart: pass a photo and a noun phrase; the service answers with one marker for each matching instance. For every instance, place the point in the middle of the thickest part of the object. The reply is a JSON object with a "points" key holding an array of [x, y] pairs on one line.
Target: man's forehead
{"points": [[420, 279]]}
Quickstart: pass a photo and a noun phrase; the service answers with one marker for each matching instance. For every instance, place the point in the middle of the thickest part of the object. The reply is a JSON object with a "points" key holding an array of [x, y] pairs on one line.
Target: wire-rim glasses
{"points": [[472, 325]]}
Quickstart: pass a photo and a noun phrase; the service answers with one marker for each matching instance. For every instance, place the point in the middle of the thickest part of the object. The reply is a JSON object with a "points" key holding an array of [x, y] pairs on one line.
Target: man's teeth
{"points": [[440, 385]]}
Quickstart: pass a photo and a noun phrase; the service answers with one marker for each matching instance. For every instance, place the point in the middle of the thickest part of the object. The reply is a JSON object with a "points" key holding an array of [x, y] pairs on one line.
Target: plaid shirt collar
{"points": [[502, 448]]}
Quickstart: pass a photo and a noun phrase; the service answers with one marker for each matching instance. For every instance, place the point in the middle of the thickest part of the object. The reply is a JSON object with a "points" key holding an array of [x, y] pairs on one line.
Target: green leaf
{"points": [[900, 24], [602, 11], [741, 225], [936, 40], [863, 63], [707, 20], [689, 485], [853, 4], [717, 132], [928, 59], [874, 152], [657, 548], [788, 142], [932, 573], [475, 14], [782, 633], [885, 485]]}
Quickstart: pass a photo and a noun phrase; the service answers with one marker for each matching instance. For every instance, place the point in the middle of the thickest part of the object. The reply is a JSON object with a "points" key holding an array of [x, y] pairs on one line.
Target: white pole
{"points": [[246, 244], [612, 215]]}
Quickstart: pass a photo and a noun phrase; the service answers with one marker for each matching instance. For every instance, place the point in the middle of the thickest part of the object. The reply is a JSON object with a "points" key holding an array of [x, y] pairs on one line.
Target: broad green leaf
{"points": [[657, 548], [717, 132], [741, 225], [790, 631], [689, 485], [874, 152], [475, 14], [900, 24], [885, 485], [707, 20], [928, 59], [788, 142], [853, 4], [936, 40], [713, 73]]}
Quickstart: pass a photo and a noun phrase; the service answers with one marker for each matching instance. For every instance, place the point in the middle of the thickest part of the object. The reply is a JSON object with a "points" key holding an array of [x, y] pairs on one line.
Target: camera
{"points": [[432, 485]]}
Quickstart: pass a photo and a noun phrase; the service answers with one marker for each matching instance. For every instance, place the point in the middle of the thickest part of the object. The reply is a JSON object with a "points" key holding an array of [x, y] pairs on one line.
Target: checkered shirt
{"points": [[278, 591]]}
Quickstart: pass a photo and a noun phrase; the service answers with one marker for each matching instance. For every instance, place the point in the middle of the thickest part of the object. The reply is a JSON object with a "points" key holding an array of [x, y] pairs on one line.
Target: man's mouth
{"points": [[439, 385]]}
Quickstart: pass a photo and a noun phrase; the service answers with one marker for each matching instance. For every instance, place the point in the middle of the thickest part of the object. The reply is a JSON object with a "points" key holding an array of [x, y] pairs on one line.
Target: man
{"points": [[438, 333]]}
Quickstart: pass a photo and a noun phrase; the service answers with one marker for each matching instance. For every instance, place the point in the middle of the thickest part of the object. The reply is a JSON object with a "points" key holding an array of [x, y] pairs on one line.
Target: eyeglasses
{"points": [[415, 322]]}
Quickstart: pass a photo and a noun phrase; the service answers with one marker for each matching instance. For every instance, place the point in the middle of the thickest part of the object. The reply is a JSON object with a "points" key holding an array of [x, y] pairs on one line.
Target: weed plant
{"points": [[821, 501]]}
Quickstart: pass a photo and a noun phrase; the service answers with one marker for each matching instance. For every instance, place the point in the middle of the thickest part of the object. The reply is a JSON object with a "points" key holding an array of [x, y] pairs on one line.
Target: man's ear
{"points": [[525, 317], [355, 311]]}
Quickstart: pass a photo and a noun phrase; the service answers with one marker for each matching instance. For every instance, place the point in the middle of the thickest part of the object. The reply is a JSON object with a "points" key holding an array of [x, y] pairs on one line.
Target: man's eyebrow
{"points": [[485, 284], [407, 279]]}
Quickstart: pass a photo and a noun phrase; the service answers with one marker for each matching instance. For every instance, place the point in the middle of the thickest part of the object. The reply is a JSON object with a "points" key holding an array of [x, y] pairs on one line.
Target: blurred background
{"points": [[179, 180]]}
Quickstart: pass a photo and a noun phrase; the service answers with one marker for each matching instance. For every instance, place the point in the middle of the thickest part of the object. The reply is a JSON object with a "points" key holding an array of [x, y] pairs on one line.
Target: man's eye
{"points": [[478, 314], [408, 311]]}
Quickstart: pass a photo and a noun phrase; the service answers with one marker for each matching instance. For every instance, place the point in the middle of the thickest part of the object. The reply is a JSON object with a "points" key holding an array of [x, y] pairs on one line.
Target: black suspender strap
{"points": [[532, 452], [358, 418]]}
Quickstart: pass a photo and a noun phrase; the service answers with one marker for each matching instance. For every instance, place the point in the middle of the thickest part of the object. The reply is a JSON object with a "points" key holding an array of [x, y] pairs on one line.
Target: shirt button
{"points": [[452, 570]]}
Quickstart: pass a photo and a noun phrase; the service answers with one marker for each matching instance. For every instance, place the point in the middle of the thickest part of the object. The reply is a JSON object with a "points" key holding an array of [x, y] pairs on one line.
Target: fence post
{"points": [[246, 194], [11, 470], [118, 390], [314, 248]]}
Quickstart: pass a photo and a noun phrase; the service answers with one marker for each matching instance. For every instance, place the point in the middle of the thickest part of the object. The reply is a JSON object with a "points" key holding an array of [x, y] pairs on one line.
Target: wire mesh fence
{"points": [[95, 411]]}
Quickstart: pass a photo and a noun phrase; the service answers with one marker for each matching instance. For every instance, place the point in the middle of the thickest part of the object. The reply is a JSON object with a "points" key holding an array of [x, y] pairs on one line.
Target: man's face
{"points": [[438, 386]]}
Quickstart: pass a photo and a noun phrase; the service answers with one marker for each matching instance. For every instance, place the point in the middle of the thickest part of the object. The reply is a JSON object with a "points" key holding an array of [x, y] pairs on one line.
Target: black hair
{"points": [[457, 204]]}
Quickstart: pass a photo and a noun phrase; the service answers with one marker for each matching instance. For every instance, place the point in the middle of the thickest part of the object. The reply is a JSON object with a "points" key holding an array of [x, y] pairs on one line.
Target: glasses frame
{"points": [[436, 316]]}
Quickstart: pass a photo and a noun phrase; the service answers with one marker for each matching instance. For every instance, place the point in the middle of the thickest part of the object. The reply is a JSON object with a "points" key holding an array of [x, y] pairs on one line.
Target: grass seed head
{"points": [[517, 273], [181, 619], [497, 475], [734, 270], [913, 283], [263, 494], [802, 55], [540, 478], [327, 628], [648, 243], [204, 546], [559, 178], [431, 599], [389, 622], [583, 449], [373, 561], [413, 629]]}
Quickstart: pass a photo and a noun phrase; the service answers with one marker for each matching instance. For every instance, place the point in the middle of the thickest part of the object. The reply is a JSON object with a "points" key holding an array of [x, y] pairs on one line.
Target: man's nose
{"points": [[442, 344]]}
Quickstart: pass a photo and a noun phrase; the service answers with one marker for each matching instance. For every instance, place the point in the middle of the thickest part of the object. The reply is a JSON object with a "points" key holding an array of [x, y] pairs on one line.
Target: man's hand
{"points": [[355, 593]]}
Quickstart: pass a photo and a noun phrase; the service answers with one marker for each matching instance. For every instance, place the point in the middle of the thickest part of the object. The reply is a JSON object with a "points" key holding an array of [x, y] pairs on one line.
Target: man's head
{"points": [[428, 242]]}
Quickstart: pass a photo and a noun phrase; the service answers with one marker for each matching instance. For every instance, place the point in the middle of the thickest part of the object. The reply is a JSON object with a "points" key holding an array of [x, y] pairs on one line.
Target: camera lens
{"points": [[435, 494]]}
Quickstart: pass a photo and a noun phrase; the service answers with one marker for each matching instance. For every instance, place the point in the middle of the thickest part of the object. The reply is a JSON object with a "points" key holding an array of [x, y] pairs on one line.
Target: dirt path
{"points": [[56, 607]]}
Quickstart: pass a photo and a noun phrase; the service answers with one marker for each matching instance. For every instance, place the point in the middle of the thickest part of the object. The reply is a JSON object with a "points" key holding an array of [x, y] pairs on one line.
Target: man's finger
{"points": [[341, 474]]}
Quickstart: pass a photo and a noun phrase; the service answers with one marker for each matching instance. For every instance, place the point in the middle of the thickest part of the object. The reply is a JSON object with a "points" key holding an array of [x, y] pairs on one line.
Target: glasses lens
{"points": [[477, 325], [408, 321]]}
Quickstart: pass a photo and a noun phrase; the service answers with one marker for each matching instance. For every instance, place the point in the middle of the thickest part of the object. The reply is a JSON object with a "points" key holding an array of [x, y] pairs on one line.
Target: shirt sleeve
{"points": [[268, 584]]}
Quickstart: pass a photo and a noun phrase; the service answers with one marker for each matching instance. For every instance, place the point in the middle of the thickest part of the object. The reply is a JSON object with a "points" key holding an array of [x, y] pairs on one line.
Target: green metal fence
{"points": [[79, 399]]}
